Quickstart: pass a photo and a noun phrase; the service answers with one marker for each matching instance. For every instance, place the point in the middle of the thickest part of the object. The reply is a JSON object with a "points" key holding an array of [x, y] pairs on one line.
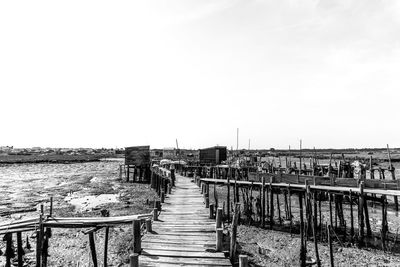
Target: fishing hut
{"points": [[137, 163]]}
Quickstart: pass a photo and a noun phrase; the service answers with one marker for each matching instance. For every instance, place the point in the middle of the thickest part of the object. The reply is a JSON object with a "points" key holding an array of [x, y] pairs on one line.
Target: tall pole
{"points": [[237, 139], [300, 159]]}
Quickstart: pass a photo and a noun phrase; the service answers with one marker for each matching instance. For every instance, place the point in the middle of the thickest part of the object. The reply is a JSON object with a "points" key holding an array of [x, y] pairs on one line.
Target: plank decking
{"points": [[184, 235]]}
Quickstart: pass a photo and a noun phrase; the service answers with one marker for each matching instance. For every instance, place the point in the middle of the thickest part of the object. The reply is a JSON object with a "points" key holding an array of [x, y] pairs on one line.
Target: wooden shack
{"points": [[138, 159], [213, 155]]}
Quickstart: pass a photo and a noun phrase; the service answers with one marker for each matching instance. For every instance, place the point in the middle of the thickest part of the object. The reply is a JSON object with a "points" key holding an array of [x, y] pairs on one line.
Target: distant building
{"points": [[169, 153], [213, 155], [6, 148]]}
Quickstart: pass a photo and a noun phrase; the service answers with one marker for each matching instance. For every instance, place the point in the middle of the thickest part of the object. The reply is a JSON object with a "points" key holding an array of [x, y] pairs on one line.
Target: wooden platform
{"points": [[184, 235]]}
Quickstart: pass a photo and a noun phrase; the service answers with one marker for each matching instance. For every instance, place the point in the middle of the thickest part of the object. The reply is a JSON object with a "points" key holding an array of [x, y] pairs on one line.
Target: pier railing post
{"points": [[232, 251], [137, 242], [134, 260]]}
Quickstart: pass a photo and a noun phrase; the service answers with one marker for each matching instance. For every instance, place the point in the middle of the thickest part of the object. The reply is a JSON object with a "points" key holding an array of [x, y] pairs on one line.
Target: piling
{"points": [[302, 239], [148, 226], [134, 260], [361, 215], [137, 242], [218, 222], [330, 246], [219, 239], [211, 213], [243, 261], [232, 251], [20, 250], [93, 249]]}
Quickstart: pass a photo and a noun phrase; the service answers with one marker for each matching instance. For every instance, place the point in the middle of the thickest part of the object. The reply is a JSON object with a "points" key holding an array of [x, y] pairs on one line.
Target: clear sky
{"points": [[122, 73]]}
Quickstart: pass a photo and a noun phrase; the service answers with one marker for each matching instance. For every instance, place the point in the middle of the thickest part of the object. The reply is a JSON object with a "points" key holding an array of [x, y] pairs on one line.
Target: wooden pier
{"points": [[183, 234]]}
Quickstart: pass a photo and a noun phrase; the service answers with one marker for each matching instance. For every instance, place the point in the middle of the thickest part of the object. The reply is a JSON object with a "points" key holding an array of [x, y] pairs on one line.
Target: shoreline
{"points": [[55, 159]]}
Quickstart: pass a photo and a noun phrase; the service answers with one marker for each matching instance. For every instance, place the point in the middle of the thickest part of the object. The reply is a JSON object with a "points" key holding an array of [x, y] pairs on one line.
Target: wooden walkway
{"points": [[184, 235]]}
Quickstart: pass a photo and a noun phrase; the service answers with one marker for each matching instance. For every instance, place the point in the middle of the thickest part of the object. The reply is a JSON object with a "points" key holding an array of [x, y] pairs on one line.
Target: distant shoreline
{"points": [[60, 159]]}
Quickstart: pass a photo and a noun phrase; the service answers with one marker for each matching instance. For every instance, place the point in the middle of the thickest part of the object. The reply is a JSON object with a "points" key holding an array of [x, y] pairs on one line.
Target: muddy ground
{"points": [[281, 248], [73, 188]]}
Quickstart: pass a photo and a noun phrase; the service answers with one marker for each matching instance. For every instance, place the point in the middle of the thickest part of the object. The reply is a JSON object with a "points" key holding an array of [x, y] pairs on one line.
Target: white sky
{"points": [[122, 73]]}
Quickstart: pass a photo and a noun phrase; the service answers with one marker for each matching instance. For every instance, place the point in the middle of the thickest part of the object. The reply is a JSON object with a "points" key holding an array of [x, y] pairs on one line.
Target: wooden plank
{"points": [[164, 264], [148, 245], [183, 254], [161, 260], [198, 237], [183, 243]]}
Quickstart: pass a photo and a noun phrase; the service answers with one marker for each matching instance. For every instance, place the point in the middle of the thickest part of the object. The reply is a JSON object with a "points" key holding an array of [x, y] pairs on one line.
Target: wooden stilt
{"points": [[366, 218], [384, 228], [315, 230], [93, 249], [20, 250], [271, 204], [330, 208], [351, 217], [232, 250], [303, 245], [263, 201], [105, 255], [361, 215], [9, 251], [330, 246], [278, 206], [228, 200], [137, 242]]}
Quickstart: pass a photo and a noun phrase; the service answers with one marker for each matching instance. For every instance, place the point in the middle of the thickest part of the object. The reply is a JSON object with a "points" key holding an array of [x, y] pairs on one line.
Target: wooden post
{"points": [[158, 205], [330, 208], [105, 256], [148, 226], [303, 245], [330, 246], [262, 201], [351, 217], [134, 260], [228, 200], [219, 236], [20, 250], [278, 206], [211, 215], [215, 195], [384, 222], [218, 222], [315, 230], [93, 249], [39, 239], [232, 251], [120, 172], [155, 214], [361, 214], [367, 223], [395, 199], [243, 262], [137, 242], [271, 204], [9, 251], [127, 174]]}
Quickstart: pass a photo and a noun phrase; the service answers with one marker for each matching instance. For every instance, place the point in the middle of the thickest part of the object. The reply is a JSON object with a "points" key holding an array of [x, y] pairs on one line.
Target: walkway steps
{"points": [[184, 235]]}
